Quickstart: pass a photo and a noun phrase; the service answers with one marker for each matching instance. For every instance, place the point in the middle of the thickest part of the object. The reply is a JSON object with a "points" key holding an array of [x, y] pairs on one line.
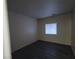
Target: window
{"points": [[51, 28]]}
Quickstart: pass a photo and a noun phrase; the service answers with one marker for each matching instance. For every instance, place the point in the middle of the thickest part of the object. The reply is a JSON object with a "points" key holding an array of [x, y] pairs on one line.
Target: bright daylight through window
{"points": [[51, 28]]}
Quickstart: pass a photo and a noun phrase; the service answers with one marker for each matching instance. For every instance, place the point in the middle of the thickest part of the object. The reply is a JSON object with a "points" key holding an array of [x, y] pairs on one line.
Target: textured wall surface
{"points": [[22, 30], [64, 26]]}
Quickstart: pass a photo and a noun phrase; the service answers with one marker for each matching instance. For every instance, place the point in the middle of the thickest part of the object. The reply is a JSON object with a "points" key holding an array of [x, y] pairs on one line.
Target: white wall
{"points": [[6, 50], [22, 29]]}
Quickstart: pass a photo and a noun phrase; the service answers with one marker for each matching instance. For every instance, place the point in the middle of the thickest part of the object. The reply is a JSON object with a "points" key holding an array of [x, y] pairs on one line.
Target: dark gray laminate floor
{"points": [[44, 50]]}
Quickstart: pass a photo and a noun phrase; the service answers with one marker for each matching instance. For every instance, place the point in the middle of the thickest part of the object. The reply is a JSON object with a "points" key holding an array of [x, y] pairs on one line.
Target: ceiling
{"points": [[40, 8]]}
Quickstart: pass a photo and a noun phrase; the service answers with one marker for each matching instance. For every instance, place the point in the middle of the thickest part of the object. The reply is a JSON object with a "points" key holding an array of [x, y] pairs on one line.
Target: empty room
{"points": [[42, 29]]}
